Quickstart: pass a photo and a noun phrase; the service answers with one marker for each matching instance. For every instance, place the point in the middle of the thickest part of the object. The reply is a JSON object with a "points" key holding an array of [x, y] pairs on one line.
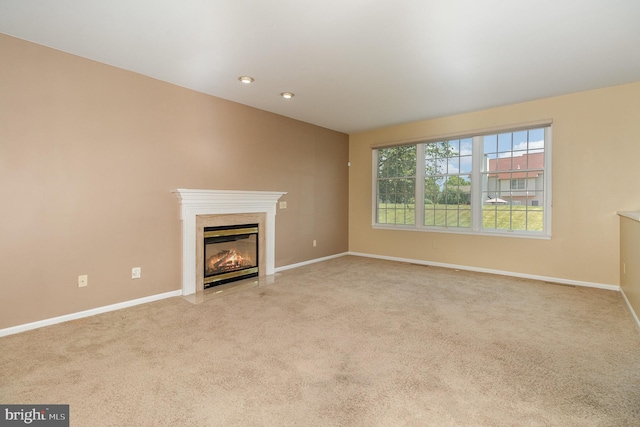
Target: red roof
{"points": [[525, 162]]}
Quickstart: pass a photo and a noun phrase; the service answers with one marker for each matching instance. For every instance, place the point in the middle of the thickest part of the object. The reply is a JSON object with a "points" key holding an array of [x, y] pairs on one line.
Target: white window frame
{"points": [[476, 190]]}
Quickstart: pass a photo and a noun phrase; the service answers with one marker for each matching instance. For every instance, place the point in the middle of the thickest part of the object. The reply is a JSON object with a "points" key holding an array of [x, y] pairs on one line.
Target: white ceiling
{"points": [[352, 64]]}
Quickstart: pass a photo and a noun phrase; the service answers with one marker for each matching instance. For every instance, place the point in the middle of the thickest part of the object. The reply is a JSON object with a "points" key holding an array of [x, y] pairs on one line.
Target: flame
{"points": [[225, 260]]}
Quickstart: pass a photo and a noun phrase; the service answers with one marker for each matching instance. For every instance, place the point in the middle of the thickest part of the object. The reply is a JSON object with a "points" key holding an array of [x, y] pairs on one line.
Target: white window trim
{"points": [[476, 193]]}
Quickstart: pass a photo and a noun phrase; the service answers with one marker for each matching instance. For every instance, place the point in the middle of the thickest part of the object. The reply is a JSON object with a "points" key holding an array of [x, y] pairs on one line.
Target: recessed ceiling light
{"points": [[287, 95], [246, 79]]}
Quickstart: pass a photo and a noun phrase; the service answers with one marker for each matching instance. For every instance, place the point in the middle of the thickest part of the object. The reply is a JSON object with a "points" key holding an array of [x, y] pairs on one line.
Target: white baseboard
{"points": [[313, 261], [633, 313], [73, 316], [490, 271]]}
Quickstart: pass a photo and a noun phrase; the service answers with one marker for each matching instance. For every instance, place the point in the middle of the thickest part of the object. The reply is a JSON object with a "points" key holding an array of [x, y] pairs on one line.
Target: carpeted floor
{"points": [[346, 342]]}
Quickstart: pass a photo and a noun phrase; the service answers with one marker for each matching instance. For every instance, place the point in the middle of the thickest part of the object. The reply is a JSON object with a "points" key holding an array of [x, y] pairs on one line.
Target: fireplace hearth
{"points": [[230, 253]]}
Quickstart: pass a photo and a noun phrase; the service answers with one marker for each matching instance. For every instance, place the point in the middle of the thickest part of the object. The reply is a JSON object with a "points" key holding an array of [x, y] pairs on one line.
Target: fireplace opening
{"points": [[230, 253]]}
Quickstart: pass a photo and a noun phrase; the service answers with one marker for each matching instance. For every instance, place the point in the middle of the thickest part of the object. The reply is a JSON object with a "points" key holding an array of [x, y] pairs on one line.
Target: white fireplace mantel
{"points": [[211, 202]]}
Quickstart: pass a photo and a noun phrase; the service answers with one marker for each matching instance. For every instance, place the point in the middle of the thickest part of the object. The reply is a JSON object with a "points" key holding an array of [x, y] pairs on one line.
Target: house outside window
{"points": [[493, 183], [510, 182]]}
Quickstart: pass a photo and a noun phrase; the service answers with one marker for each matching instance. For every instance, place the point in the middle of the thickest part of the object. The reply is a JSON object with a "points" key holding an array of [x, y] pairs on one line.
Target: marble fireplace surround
{"points": [[210, 208]]}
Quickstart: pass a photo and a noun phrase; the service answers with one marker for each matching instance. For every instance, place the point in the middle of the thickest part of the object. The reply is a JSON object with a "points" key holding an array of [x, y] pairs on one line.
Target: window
{"points": [[517, 184], [495, 183], [396, 185]]}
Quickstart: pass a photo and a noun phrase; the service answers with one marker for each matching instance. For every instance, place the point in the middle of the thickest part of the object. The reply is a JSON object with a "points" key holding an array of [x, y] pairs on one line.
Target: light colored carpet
{"points": [[346, 342]]}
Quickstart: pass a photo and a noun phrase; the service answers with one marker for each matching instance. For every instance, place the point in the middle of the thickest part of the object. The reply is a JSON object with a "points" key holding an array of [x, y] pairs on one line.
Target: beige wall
{"points": [[630, 257], [596, 147], [88, 157]]}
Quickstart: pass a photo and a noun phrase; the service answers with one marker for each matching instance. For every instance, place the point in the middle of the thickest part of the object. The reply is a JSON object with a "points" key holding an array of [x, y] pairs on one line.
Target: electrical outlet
{"points": [[83, 280], [314, 243], [136, 273], [283, 205]]}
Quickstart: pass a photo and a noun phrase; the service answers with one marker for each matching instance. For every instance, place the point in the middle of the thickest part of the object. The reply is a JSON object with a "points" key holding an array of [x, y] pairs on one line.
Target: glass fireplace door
{"points": [[230, 253]]}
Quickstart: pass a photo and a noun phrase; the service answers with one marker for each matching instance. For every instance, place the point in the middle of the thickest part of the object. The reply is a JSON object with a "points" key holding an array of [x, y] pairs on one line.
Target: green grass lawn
{"points": [[498, 217]]}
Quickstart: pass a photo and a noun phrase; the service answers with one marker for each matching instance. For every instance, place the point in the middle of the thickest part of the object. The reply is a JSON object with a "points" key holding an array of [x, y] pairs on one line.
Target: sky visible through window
{"points": [[514, 144]]}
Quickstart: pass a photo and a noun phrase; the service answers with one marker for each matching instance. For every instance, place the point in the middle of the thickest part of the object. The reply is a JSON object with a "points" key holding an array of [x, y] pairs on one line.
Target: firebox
{"points": [[230, 253]]}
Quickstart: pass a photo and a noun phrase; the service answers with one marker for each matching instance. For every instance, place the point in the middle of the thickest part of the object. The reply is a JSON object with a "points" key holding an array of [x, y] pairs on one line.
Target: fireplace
{"points": [[230, 254], [212, 208]]}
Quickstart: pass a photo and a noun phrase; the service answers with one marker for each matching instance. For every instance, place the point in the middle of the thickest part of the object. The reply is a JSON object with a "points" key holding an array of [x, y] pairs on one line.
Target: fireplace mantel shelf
{"points": [[211, 202]]}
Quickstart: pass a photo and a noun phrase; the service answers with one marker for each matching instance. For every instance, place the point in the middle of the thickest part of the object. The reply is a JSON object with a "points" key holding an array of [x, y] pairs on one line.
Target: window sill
{"points": [[539, 236]]}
